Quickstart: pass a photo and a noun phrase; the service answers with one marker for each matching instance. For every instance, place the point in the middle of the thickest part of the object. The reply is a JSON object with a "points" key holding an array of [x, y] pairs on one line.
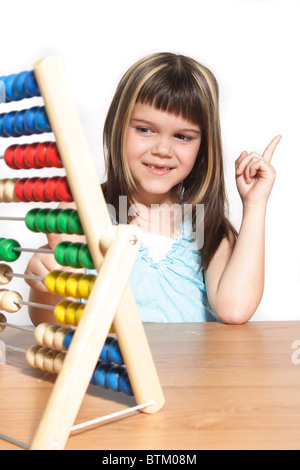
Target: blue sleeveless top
{"points": [[173, 288]]}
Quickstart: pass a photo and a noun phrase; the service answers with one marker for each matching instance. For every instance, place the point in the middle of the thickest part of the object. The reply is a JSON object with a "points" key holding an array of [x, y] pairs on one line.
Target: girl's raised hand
{"points": [[255, 175]]}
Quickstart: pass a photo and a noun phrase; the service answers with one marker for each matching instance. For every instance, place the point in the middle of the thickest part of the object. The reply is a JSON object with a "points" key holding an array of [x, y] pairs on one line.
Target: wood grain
{"points": [[226, 387]]}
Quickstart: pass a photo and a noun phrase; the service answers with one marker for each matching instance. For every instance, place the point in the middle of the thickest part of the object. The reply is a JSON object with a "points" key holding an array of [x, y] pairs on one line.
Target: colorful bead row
{"points": [[111, 351], [50, 360], [43, 189], [68, 312], [112, 377], [68, 284], [55, 189], [76, 255], [25, 122], [53, 336], [58, 337], [53, 221], [105, 375], [21, 85], [36, 155], [66, 253]]}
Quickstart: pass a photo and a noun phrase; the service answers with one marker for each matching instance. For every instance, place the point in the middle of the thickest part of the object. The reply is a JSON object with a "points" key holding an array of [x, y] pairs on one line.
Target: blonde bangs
{"points": [[127, 118]]}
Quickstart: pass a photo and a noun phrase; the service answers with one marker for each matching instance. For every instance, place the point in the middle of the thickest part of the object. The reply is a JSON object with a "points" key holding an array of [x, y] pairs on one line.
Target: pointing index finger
{"points": [[268, 153]]}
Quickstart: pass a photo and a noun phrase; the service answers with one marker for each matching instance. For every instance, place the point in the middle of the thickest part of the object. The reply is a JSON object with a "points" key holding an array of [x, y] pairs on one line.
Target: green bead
{"points": [[71, 257], [62, 220], [60, 253], [30, 219], [6, 249], [84, 258], [51, 221], [40, 221], [74, 224]]}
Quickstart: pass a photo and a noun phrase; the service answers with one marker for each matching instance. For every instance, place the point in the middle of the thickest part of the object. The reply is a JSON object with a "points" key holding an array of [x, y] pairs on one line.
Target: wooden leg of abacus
{"points": [[74, 377]]}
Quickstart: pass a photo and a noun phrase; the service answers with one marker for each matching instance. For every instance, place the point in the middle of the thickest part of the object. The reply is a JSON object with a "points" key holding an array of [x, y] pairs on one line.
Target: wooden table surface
{"points": [[226, 387]]}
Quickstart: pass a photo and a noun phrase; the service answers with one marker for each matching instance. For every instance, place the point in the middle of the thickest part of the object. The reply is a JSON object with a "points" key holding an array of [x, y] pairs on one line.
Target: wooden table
{"points": [[226, 387]]}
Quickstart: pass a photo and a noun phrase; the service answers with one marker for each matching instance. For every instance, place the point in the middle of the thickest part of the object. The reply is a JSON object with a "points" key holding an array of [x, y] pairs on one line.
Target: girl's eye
{"points": [[143, 130], [183, 137]]}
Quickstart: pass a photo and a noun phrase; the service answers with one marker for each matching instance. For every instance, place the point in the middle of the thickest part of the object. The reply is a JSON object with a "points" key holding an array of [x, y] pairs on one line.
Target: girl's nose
{"points": [[162, 147]]}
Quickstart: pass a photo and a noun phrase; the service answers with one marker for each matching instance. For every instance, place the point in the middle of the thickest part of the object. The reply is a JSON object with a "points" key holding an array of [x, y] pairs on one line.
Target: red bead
{"points": [[41, 154], [9, 157], [52, 156], [29, 189], [19, 156], [19, 189], [50, 189], [39, 190], [63, 191], [30, 156]]}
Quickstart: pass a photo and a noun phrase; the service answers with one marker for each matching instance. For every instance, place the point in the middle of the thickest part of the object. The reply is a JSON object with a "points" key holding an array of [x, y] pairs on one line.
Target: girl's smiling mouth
{"points": [[158, 169]]}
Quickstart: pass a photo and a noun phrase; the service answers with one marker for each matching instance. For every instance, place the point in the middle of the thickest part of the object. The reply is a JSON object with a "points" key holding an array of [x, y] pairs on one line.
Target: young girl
{"points": [[163, 153]]}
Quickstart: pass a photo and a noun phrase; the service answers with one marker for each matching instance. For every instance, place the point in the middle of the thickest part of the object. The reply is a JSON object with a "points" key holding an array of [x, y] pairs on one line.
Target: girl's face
{"points": [[161, 151]]}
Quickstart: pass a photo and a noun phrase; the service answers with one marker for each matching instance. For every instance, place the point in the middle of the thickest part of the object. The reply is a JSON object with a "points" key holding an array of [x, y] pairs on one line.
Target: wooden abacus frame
{"points": [[113, 250]]}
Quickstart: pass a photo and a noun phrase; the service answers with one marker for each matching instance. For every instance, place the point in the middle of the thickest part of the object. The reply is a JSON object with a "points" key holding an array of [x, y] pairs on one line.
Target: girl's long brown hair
{"points": [[179, 85]]}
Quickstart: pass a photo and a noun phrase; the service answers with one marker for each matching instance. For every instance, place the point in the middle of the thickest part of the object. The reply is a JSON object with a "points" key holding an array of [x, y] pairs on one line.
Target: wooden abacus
{"points": [[112, 249]]}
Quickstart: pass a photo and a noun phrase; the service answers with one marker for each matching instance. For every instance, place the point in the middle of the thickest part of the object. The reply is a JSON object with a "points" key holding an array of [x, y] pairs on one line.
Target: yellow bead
{"points": [[71, 313], [85, 286], [79, 312], [61, 283], [72, 285], [60, 311], [93, 280], [50, 281]]}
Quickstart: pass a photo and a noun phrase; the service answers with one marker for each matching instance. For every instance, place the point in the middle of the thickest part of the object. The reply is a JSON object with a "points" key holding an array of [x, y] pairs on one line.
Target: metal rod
{"points": [[15, 349], [34, 304], [24, 276], [21, 219], [14, 441], [34, 250], [111, 416], [17, 327]]}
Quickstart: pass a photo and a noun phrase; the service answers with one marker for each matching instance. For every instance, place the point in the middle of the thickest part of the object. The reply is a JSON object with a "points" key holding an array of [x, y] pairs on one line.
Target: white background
{"points": [[252, 46]]}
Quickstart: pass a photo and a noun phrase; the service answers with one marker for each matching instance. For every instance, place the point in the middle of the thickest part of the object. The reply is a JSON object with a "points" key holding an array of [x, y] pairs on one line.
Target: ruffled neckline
{"points": [[179, 246]]}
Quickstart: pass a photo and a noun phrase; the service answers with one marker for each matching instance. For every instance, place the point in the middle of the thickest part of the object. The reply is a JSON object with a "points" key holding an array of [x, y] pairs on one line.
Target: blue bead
{"points": [[30, 85], [113, 376], [100, 374], [19, 124], [41, 120], [9, 87], [114, 353], [29, 120], [1, 125], [18, 86], [125, 384], [8, 124], [104, 352], [68, 339]]}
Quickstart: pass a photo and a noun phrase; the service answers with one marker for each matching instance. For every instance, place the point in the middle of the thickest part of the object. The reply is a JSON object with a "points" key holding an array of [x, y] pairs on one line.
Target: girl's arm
{"points": [[235, 275]]}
